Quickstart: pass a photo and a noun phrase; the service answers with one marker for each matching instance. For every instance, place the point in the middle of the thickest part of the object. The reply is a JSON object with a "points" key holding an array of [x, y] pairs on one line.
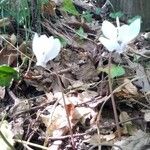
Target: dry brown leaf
{"points": [[87, 95], [130, 87], [81, 114], [97, 139], [128, 127], [56, 122]]}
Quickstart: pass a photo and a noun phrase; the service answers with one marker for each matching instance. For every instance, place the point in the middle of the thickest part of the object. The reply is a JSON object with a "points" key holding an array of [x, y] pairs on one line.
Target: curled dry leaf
{"points": [[56, 122], [130, 87]]}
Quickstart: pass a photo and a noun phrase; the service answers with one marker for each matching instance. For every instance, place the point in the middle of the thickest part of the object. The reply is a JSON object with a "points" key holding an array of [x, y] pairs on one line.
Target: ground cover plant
{"points": [[73, 75]]}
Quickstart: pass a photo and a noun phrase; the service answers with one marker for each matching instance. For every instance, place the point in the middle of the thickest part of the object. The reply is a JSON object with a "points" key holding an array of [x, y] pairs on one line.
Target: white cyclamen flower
{"points": [[45, 48], [116, 38]]}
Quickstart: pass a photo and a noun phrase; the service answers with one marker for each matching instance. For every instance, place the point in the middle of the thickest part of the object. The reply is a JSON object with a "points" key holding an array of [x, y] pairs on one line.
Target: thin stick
{"points": [[112, 99], [67, 114], [31, 144]]}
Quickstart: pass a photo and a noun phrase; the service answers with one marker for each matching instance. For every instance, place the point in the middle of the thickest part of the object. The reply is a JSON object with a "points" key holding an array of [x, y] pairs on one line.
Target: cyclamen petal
{"points": [[111, 45], [116, 38], [109, 30], [45, 48], [134, 28]]}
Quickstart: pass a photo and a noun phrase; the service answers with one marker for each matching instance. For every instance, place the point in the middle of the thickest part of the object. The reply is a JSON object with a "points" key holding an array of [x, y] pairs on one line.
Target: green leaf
{"points": [[7, 74], [69, 7], [88, 16], [80, 32], [98, 11], [115, 71], [116, 14]]}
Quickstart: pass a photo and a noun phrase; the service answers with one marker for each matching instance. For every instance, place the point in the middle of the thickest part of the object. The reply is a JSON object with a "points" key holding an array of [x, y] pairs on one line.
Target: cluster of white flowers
{"points": [[116, 38], [45, 48]]}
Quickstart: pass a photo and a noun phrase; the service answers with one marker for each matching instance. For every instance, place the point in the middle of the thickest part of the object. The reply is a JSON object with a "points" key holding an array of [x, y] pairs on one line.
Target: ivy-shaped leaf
{"points": [[88, 16], [80, 32], [69, 7], [115, 71], [116, 14], [7, 74]]}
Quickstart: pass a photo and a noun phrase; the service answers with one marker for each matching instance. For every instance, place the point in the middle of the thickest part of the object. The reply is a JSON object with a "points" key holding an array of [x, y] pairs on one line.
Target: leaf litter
{"points": [[74, 86]]}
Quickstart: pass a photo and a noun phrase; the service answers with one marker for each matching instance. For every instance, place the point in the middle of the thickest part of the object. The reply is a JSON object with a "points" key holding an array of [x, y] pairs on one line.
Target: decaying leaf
{"points": [[56, 122], [97, 139], [128, 127], [130, 87], [138, 141]]}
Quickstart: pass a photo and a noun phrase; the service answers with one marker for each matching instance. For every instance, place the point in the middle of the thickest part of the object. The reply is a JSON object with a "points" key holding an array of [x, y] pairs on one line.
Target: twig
{"points": [[91, 132], [31, 144], [112, 99], [67, 114]]}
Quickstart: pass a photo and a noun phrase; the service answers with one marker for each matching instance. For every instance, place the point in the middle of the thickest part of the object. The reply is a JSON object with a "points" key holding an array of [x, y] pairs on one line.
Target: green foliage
{"points": [[7, 74], [115, 71], [16, 9], [88, 16], [116, 14], [80, 32], [69, 7], [98, 11]]}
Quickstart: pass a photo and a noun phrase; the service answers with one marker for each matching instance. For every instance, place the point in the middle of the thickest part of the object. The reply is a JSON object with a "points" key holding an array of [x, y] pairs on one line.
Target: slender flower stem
{"points": [[67, 114], [113, 100]]}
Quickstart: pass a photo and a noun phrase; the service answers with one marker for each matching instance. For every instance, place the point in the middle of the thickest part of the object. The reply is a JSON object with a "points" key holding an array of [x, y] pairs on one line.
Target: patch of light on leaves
{"points": [[45, 48], [116, 38]]}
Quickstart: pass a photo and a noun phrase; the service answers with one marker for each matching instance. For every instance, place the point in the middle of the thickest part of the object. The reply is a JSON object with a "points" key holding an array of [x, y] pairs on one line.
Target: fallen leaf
{"points": [[128, 127], [97, 139], [138, 141], [130, 87], [56, 122]]}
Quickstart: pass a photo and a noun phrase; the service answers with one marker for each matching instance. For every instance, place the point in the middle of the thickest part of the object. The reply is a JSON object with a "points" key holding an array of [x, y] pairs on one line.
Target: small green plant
{"points": [[69, 7], [80, 32], [87, 16], [7, 74], [115, 71]]}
